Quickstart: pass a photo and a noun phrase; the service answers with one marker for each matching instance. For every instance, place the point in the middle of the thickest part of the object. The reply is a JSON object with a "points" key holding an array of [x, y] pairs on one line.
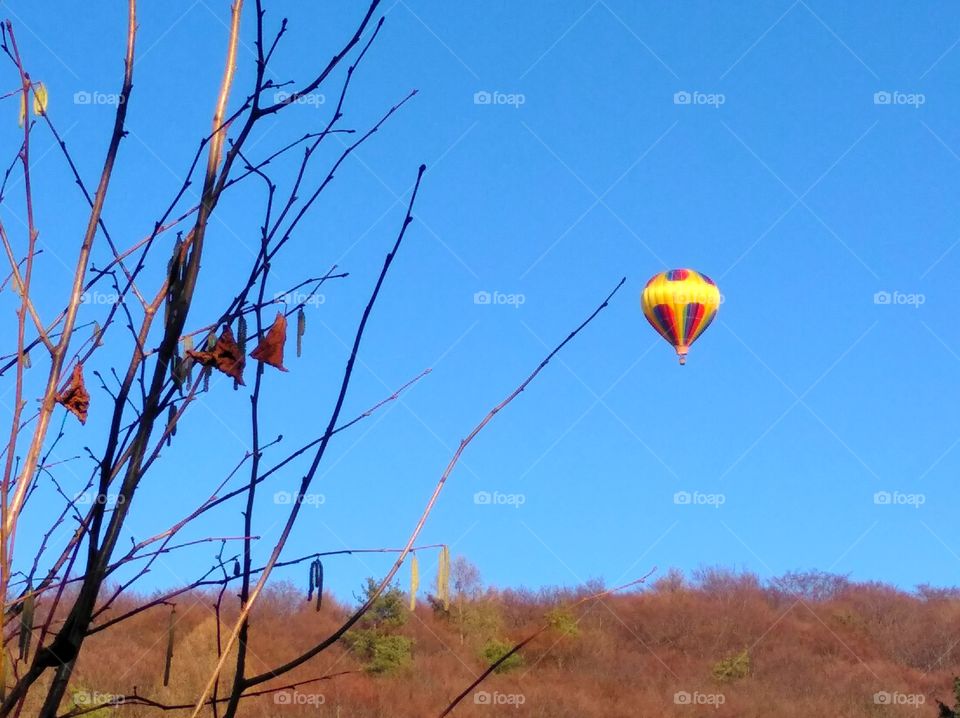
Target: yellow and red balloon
{"points": [[680, 304]]}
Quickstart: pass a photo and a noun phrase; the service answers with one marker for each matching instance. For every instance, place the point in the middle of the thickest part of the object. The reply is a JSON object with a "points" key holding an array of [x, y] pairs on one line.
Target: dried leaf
{"points": [[225, 356], [270, 348], [39, 99], [75, 397], [26, 360], [23, 110]]}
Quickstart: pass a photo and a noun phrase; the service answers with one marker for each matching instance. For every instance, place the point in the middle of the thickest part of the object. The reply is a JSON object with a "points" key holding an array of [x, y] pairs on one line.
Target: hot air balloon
{"points": [[680, 304]]}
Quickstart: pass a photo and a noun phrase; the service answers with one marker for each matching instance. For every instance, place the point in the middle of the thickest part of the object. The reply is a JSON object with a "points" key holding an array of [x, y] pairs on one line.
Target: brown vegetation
{"points": [[803, 645]]}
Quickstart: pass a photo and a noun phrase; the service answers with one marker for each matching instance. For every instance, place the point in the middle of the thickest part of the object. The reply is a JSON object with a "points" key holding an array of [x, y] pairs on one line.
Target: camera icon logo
{"points": [[482, 97]]}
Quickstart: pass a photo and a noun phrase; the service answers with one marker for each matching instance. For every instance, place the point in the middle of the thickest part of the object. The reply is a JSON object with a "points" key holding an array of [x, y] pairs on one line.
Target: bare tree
{"points": [[162, 357]]}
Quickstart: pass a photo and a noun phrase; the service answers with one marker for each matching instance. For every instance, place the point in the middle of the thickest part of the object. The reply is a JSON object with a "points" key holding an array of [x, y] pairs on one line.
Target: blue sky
{"points": [[815, 165]]}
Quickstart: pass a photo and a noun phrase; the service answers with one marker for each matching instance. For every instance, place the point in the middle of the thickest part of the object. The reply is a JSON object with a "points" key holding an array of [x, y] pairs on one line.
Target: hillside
{"points": [[718, 644]]}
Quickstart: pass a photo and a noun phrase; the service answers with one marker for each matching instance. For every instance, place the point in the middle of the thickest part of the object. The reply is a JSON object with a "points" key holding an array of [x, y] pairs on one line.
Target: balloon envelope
{"points": [[680, 304]]}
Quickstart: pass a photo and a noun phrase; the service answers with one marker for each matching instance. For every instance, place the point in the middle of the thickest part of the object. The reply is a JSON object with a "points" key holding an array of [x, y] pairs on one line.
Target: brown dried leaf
{"points": [[225, 356], [75, 397], [270, 348]]}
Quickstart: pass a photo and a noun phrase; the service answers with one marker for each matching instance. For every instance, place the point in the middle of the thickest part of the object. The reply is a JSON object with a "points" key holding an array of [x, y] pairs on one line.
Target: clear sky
{"points": [[778, 170]]}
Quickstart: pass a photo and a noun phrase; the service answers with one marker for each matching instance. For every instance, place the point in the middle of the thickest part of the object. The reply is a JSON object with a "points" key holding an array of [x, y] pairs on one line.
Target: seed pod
{"points": [[26, 360], [26, 623], [242, 334], [316, 582], [301, 329], [169, 658], [207, 371], [187, 366], [97, 331], [171, 424], [176, 370], [319, 584], [443, 577], [236, 567], [414, 580], [39, 99]]}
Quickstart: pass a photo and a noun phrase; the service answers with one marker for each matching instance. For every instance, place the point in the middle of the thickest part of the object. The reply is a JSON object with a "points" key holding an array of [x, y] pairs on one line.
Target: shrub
{"points": [[388, 609], [732, 668], [374, 642], [563, 622], [380, 653], [495, 649]]}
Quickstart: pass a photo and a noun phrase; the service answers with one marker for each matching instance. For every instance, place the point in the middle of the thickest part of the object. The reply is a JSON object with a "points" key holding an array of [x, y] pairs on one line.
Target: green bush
{"points": [[390, 653], [495, 649], [374, 641], [563, 622], [380, 653], [387, 611], [732, 668]]}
